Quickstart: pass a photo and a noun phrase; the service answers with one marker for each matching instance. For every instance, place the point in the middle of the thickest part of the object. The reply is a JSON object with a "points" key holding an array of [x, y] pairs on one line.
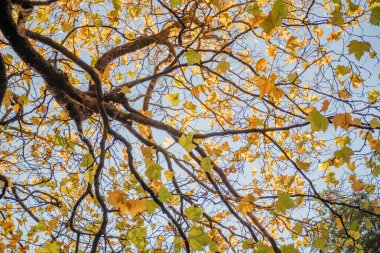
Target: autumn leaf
{"points": [[246, 204], [135, 206], [87, 161], [284, 202], [173, 98], [375, 16], [342, 120], [265, 86], [193, 57], [317, 121], [275, 16], [344, 154], [153, 171], [325, 105], [336, 17], [341, 70], [261, 65], [186, 141], [223, 66], [206, 164], [164, 195], [198, 239], [303, 165], [289, 248], [100, 110], [118, 200], [358, 48], [52, 247], [344, 94], [89, 175], [194, 213], [175, 3]]}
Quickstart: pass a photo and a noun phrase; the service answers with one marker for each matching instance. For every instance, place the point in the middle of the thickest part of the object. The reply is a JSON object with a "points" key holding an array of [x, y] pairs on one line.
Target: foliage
{"points": [[189, 125], [368, 226]]}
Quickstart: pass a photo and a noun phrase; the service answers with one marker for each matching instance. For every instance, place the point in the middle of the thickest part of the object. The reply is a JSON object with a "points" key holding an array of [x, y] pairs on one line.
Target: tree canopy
{"points": [[188, 125]]}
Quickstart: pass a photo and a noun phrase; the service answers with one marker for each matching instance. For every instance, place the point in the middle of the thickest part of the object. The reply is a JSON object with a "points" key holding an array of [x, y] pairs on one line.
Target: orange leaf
{"points": [[264, 85], [325, 105], [261, 65], [342, 120]]}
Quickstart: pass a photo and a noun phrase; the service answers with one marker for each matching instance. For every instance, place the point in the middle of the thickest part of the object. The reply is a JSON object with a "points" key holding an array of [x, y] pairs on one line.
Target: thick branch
{"points": [[3, 79], [141, 42]]}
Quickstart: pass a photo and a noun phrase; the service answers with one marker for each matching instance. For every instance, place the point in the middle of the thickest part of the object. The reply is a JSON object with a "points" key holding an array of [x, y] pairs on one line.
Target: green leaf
{"points": [[194, 213], [248, 244], [341, 70], [374, 123], [284, 202], [198, 239], [375, 16], [87, 161], [275, 16], [319, 243], [223, 66], [206, 164], [173, 98], [262, 248], [59, 140], [89, 176], [186, 141], [344, 154], [289, 248], [164, 195], [336, 18], [352, 6], [253, 9], [368, 224], [373, 96], [317, 121], [138, 237], [177, 244], [153, 171], [298, 228], [302, 165], [358, 48], [193, 57], [214, 247], [41, 226]]}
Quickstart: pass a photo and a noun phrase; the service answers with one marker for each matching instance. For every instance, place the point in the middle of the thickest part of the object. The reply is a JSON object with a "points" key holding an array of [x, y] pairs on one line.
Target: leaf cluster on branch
{"points": [[188, 125]]}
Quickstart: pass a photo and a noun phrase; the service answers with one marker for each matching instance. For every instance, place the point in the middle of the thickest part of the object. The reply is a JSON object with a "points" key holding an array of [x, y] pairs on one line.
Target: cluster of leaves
{"points": [[189, 125]]}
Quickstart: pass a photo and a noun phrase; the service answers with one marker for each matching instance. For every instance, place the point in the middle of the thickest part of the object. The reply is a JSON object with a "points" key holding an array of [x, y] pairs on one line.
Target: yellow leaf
{"points": [[271, 49], [118, 200], [213, 97], [246, 204], [173, 98], [261, 65]]}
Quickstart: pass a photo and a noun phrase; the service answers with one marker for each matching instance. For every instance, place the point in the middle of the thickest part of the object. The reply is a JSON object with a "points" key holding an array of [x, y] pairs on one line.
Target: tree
{"points": [[186, 125], [366, 227]]}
